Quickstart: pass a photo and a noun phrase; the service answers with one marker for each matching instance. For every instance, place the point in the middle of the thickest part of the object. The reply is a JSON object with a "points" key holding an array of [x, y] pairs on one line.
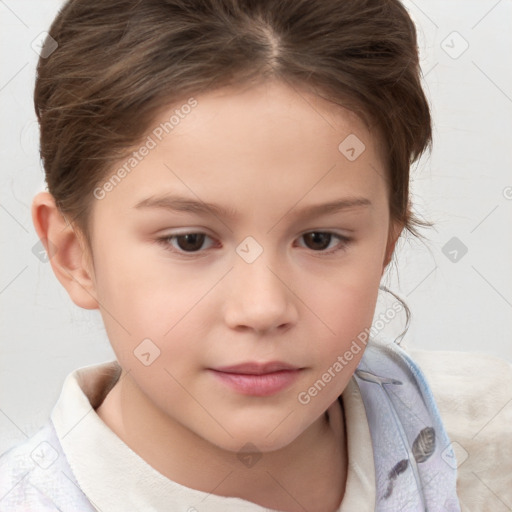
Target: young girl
{"points": [[227, 181]]}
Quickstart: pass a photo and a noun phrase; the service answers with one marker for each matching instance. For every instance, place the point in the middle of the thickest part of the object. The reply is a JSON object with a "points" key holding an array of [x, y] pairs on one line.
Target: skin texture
{"points": [[267, 151]]}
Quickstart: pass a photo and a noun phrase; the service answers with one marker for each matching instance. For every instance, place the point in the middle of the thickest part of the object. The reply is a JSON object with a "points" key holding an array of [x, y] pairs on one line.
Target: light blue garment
{"points": [[35, 476], [414, 464]]}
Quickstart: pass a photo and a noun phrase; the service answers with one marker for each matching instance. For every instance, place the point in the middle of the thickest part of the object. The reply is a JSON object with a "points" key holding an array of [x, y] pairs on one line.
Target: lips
{"points": [[254, 368], [257, 379]]}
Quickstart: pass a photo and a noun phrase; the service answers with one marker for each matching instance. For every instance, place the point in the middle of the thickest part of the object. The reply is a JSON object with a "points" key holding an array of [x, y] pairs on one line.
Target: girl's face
{"points": [[254, 283]]}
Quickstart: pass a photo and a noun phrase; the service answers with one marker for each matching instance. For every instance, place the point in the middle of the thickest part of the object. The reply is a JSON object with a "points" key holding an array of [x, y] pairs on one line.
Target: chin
{"points": [[250, 444], [257, 437]]}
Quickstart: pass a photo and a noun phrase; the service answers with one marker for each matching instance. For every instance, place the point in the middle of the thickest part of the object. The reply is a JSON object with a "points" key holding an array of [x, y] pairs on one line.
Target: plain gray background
{"points": [[458, 301]]}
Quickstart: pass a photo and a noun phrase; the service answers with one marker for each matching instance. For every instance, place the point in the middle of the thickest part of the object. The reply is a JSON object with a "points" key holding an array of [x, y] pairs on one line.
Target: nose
{"points": [[259, 298]]}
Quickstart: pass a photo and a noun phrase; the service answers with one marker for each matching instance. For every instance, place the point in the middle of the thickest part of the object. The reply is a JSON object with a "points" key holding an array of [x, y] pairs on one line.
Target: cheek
{"points": [[141, 300], [346, 304], [347, 298], [341, 348]]}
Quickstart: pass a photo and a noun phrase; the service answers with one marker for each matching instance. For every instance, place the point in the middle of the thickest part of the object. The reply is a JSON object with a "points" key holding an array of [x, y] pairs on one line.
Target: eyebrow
{"points": [[185, 204]]}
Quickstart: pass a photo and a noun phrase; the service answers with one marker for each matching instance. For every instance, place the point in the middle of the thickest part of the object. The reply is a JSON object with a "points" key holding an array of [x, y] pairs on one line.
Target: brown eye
{"points": [[319, 241], [185, 243], [193, 243], [190, 242]]}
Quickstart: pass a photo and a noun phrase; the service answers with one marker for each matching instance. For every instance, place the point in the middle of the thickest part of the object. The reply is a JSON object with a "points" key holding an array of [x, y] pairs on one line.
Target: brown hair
{"points": [[119, 62]]}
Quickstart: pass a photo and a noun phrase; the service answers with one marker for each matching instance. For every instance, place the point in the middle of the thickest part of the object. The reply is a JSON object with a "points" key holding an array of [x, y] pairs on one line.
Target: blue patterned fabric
{"points": [[35, 476], [415, 465]]}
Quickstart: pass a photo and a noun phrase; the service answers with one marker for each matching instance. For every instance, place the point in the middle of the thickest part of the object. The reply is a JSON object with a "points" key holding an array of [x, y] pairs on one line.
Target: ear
{"points": [[394, 233], [67, 251]]}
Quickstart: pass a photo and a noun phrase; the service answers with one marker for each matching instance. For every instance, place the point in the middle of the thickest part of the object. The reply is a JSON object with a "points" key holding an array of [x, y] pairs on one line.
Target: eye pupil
{"points": [[319, 237], [194, 241]]}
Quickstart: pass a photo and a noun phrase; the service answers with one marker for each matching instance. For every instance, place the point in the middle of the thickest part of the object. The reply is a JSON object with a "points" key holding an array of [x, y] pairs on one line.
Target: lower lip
{"points": [[258, 385]]}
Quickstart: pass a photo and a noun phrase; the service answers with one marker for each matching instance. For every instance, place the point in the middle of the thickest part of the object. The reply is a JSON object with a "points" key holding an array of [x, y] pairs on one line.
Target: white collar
{"points": [[96, 455]]}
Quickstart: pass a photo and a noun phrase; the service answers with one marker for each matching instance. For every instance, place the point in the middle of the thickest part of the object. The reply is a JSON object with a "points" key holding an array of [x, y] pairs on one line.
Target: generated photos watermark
{"points": [[305, 397], [150, 143]]}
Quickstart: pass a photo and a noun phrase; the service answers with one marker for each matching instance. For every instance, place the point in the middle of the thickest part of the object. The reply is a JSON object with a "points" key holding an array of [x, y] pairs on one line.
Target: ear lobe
{"points": [[66, 251]]}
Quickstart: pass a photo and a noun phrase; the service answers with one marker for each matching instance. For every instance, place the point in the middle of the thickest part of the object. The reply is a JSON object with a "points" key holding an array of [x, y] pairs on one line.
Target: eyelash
{"points": [[165, 242]]}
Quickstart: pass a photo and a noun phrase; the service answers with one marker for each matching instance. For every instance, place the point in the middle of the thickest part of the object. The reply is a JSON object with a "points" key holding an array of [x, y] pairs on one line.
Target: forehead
{"points": [[261, 111], [259, 145]]}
